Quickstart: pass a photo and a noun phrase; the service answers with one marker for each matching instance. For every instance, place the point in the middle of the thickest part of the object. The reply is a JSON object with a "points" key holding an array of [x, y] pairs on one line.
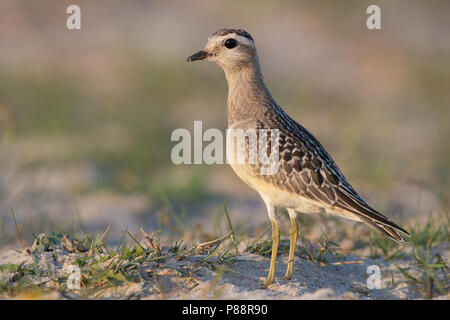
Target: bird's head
{"points": [[232, 49]]}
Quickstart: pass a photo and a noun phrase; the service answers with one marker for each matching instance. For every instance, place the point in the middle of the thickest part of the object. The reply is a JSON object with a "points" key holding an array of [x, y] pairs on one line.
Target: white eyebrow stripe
{"points": [[242, 39], [237, 37]]}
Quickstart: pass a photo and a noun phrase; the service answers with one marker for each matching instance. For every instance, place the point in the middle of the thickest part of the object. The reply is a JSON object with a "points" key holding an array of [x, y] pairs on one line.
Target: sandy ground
{"points": [[239, 279]]}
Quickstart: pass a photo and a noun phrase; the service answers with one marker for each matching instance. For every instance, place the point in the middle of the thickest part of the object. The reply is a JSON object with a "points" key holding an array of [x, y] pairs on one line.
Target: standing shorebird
{"points": [[307, 180]]}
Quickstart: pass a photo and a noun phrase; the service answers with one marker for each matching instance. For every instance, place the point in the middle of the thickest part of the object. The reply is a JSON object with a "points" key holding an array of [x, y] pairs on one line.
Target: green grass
{"points": [[428, 272], [106, 268], [102, 267]]}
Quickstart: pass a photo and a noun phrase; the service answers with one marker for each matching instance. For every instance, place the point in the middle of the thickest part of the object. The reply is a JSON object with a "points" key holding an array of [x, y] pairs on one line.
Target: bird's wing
{"points": [[306, 169]]}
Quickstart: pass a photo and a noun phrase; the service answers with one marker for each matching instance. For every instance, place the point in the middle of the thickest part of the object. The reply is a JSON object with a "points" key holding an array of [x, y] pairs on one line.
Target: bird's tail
{"points": [[392, 231], [370, 216]]}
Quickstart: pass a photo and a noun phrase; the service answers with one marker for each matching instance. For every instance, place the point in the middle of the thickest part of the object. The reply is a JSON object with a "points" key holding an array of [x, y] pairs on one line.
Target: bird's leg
{"points": [[293, 234], [273, 259]]}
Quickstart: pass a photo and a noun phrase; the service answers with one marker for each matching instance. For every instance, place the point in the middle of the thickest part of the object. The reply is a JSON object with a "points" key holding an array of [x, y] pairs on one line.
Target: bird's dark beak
{"points": [[198, 56]]}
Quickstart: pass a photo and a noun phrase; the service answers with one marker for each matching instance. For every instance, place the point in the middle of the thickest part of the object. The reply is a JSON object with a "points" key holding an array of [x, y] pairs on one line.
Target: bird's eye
{"points": [[230, 43]]}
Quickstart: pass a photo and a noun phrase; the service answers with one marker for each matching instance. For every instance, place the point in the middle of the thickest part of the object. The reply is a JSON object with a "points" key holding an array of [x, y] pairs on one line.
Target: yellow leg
{"points": [[273, 259], [293, 234]]}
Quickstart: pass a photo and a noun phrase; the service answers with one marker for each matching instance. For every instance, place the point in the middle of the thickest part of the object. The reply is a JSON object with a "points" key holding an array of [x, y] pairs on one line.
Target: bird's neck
{"points": [[248, 96]]}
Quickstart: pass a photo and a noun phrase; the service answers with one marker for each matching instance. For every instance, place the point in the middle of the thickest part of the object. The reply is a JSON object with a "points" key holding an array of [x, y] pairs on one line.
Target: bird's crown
{"points": [[240, 32]]}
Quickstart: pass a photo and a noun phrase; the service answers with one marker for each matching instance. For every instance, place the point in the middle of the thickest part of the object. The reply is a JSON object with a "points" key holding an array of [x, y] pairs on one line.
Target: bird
{"points": [[308, 180]]}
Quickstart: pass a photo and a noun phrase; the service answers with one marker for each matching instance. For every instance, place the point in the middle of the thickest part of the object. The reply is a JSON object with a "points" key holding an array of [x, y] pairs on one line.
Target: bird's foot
{"points": [[267, 283]]}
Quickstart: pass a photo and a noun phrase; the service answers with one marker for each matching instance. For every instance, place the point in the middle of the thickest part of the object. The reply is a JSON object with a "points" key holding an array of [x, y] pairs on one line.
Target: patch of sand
{"points": [[240, 279]]}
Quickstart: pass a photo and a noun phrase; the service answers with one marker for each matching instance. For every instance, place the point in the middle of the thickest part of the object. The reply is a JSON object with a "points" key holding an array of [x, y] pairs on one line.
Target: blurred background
{"points": [[86, 115]]}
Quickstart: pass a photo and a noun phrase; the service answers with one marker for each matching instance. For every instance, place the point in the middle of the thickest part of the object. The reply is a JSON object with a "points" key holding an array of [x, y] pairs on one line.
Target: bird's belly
{"points": [[274, 195]]}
